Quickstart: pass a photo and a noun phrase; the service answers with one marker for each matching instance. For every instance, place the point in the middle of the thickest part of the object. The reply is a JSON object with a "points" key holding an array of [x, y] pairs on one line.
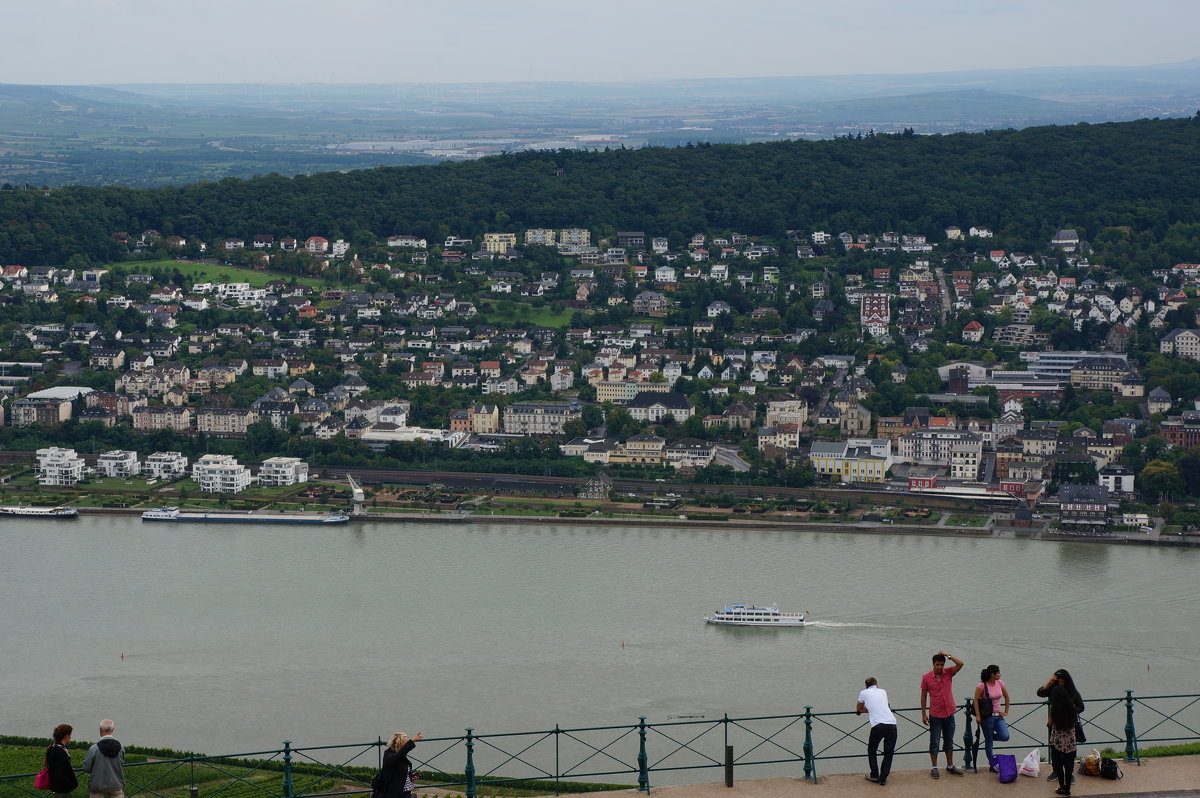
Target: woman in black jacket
{"points": [[1065, 707], [58, 762], [397, 773]]}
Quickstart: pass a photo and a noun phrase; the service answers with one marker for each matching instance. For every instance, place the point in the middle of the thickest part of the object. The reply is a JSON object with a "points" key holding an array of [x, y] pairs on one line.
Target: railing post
{"points": [[557, 732], [469, 770], [728, 753], [969, 752], [1132, 754], [643, 760], [287, 769], [810, 760]]}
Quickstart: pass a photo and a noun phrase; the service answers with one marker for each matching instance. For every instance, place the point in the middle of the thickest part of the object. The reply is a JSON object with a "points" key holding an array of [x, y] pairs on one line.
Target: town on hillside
{"points": [[943, 364]]}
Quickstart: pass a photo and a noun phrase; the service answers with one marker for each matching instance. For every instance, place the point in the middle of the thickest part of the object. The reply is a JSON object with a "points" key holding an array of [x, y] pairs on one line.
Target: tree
{"points": [[575, 428], [1160, 479]]}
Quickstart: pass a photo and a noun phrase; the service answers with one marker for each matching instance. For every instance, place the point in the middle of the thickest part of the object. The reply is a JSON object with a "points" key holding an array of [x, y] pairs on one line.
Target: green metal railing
{"points": [[555, 759]]}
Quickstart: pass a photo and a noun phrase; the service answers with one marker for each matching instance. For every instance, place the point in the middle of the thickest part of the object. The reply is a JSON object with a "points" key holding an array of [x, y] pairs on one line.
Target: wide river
{"points": [[225, 639]]}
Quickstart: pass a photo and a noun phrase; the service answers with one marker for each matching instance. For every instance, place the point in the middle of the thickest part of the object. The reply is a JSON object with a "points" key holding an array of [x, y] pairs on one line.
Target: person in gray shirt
{"points": [[105, 765]]}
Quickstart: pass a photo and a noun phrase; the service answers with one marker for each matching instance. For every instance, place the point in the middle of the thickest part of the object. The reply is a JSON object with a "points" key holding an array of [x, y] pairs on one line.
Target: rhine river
{"points": [[235, 638]]}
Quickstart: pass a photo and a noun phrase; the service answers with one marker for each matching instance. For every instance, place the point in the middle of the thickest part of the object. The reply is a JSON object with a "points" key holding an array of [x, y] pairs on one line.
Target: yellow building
{"points": [[499, 242], [853, 460]]}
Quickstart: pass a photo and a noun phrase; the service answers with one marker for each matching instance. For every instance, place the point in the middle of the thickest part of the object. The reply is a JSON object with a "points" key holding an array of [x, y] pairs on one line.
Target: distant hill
{"points": [[1025, 184]]}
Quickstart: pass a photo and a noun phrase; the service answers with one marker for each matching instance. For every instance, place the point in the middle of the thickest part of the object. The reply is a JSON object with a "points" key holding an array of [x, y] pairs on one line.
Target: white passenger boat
{"points": [[27, 511], [754, 615]]}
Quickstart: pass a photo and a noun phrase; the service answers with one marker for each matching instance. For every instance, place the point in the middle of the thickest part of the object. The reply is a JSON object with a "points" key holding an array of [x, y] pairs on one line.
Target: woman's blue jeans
{"points": [[994, 728]]}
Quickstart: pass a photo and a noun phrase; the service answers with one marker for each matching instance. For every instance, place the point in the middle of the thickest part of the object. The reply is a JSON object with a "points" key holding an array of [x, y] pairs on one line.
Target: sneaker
{"points": [[1052, 777], [882, 782], [873, 779], [993, 768], [933, 772], [955, 771]]}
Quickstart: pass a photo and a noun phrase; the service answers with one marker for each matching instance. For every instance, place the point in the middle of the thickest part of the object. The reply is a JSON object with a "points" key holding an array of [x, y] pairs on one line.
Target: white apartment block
{"points": [[119, 463], [283, 471], [541, 236], [165, 466], [220, 473], [962, 452], [59, 467]]}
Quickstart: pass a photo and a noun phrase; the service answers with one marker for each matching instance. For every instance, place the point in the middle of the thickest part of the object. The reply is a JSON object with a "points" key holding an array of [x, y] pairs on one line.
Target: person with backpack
{"points": [[991, 707], [1065, 708]]}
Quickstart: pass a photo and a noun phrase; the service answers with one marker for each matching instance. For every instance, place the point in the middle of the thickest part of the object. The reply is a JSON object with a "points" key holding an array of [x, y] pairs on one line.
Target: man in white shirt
{"points": [[874, 701]]}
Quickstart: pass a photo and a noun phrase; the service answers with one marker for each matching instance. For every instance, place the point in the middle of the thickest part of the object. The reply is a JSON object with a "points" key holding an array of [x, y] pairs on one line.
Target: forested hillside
{"points": [[1025, 184]]}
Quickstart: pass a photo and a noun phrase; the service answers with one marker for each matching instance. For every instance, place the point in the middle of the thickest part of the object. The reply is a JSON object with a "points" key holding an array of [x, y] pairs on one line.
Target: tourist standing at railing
{"points": [[105, 765], [397, 774], [991, 706], [938, 708], [1065, 708], [874, 701], [58, 763]]}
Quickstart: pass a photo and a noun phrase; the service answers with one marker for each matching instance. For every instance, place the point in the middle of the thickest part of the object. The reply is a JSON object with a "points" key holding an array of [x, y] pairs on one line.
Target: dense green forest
{"points": [[1024, 184]]}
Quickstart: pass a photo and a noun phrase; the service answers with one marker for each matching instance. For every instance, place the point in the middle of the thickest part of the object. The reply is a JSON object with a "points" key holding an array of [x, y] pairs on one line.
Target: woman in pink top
{"points": [[991, 705]]}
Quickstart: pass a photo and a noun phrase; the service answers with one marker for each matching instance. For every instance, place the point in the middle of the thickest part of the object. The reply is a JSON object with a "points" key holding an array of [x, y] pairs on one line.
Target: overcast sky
{"points": [[403, 41]]}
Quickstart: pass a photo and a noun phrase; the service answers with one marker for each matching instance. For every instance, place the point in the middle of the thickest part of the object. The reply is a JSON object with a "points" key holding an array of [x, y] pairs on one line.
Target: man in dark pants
{"points": [[874, 701]]}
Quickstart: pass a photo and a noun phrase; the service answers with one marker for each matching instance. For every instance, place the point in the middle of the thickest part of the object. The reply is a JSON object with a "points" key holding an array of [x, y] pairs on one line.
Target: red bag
{"points": [[42, 780]]}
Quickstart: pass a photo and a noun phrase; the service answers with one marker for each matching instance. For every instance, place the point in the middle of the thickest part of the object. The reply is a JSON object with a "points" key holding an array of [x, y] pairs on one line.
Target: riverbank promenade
{"points": [[1163, 777]]}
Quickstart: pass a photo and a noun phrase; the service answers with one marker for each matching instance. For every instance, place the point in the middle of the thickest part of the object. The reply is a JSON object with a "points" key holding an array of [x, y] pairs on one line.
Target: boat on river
{"points": [[26, 511], [177, 515], [754, 615]]}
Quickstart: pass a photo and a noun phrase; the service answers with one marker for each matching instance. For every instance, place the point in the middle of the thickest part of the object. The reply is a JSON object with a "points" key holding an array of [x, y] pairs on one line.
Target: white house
{"points": [[119, 463], [283, 471], [165, 466], [220, 473], [59, 467]]}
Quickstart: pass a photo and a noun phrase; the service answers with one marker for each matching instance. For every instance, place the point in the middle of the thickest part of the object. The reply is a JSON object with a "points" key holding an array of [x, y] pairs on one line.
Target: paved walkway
{"points": [[1165, 777]]}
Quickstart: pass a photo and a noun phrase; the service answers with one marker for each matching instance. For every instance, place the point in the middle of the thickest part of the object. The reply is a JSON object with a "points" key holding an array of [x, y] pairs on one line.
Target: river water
{"points": [[235, 638]]}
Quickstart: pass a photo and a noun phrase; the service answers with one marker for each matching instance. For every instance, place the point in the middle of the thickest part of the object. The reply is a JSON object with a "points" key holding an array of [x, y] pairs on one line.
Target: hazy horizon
{"points": [[122, 42]]}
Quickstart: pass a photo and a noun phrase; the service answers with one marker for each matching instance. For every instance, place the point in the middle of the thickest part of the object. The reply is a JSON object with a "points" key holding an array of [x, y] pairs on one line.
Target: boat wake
{"points": [[842, 625]]}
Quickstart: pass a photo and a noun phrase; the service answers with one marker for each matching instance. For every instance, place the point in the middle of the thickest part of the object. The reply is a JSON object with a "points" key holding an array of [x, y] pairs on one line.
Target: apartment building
{"points": [[540, 418], [220, 473], [119, 463], [499, 243], [59, 467], [165, 466], [225, 422], [962, 452], [853, 460], [283, 471], [1185, 343], [40, 411], [162, 417]]}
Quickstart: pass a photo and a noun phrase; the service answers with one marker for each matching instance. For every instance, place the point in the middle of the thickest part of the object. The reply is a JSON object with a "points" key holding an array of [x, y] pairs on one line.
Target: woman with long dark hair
{"points": [[991, 705], [1065, 708]]}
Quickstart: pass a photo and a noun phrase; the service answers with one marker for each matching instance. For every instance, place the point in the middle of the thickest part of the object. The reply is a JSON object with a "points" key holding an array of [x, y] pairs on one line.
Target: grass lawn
{"points": [[216, 273], [966, 520]]}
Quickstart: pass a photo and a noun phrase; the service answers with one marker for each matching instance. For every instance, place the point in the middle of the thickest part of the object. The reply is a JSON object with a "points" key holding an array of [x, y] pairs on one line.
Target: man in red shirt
{"points": [[937, 709]]}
